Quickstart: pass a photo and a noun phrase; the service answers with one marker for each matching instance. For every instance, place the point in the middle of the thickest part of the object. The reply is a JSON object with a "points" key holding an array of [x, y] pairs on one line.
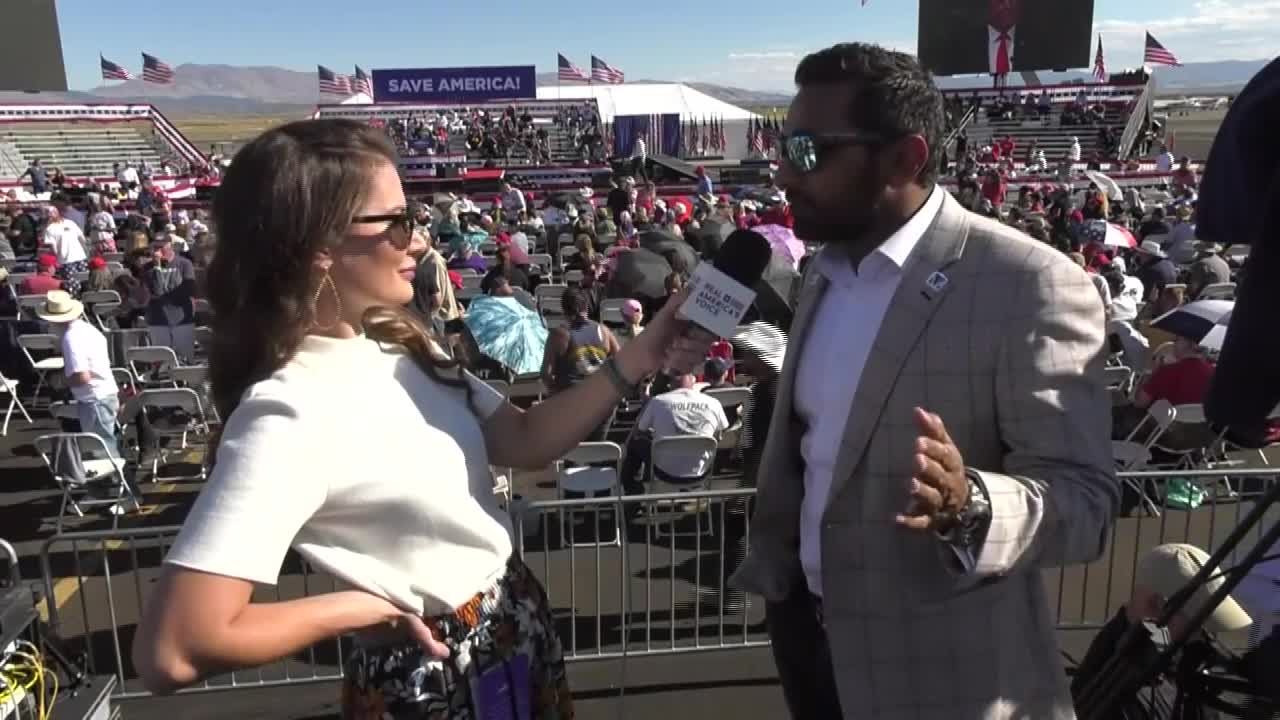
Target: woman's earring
{"points": [[326, 281]]}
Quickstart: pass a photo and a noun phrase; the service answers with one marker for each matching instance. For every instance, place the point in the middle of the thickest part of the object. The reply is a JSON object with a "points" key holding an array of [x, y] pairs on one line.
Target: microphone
{"points": [[721, 292]]}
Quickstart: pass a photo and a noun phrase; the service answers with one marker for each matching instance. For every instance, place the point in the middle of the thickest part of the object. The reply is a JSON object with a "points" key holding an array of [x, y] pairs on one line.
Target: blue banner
{"points": [[455, 85]]}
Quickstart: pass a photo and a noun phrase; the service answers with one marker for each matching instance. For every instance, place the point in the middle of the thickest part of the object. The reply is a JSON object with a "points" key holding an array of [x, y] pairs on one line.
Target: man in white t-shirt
{"points": [[512, 200], [682, 411], [87, 365], [64, 237]]}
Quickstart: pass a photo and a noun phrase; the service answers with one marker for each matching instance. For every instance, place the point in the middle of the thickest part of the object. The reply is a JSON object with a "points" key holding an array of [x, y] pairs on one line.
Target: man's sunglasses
{"points": [[402, 219], [804, 149]]}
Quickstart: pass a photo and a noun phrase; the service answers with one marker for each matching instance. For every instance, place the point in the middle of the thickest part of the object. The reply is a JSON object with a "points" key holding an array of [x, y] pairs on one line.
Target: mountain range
{"points": [[228, 89]]}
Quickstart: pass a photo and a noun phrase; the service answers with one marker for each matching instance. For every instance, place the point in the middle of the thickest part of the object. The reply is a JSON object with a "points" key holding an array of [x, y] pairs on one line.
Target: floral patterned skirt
{"points": [[510, 620]]}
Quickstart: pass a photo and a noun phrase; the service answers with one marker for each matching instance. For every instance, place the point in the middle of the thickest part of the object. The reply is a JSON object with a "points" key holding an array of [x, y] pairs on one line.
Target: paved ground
{"points": [[651, 597]]}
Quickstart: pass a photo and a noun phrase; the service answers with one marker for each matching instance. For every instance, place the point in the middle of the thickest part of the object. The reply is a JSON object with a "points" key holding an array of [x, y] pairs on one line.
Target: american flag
{"points": [[570, 72], [602, 71], [331, 83], [360, 82], [1156, 54], [112, 71], [1099, 65], [155, 71]]}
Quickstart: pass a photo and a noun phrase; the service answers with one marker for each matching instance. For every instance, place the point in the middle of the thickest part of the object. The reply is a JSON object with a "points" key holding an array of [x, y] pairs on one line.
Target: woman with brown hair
{"points": [[311, 349]]}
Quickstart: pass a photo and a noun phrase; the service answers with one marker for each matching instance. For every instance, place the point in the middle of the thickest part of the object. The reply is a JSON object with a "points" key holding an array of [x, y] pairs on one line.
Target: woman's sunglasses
{"points": [[402, 219], [804, 149]]}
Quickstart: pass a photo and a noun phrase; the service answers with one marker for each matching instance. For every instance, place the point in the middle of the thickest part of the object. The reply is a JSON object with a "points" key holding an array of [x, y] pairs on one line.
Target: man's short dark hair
{"points": [[894, 95]]}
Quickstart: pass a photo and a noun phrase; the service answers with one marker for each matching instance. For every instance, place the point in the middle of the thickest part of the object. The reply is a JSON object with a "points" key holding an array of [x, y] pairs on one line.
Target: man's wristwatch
{"points": [[969, 525]]}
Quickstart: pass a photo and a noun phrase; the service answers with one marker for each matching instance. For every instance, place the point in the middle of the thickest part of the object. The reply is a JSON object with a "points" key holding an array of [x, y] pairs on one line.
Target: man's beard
{"points": [[812, 227]]}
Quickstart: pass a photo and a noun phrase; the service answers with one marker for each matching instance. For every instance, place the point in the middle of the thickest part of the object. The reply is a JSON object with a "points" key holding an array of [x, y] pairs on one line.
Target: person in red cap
{"points": [[99, 276], [43, 281]]}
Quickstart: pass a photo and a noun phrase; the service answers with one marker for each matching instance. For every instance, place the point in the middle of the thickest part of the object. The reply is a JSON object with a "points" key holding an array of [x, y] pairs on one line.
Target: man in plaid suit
{"points": [[941, 431]]}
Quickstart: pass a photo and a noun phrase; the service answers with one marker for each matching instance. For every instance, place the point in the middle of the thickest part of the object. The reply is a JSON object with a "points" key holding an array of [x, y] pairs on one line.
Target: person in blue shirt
{"points": [[703, 186]]}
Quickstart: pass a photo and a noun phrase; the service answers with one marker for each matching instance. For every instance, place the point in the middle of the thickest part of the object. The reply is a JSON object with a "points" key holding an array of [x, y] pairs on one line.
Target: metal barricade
{"points": [[660, 591]]}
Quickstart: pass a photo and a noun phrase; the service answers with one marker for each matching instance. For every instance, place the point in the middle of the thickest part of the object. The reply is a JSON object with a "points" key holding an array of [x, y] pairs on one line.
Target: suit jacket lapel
{"points": [[781, 448], [919, 294]]}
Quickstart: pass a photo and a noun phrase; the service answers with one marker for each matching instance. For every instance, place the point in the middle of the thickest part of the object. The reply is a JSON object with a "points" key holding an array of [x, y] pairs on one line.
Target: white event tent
{"points": [[647, 99]]}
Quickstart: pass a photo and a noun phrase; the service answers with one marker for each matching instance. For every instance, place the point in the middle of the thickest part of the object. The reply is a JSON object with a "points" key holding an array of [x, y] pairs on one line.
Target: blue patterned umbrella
{"points": [[508, 332]]}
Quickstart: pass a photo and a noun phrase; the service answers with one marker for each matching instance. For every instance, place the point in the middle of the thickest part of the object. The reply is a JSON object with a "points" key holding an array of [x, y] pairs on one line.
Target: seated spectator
{"points": [[577, 349], [465, 258], [1161, 573], [43, 281], [501, 287], [1208, 269], [715, 374], [8, 308], [632, 317], [99, 275], [1185, 381], [171, 283], [505, 269], [584, 259], [681, 411], [1154, 268]]}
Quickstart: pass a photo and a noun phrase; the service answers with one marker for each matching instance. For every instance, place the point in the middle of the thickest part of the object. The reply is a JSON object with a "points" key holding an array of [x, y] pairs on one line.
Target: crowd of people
{"points": [[512, 134], [372, 291]]}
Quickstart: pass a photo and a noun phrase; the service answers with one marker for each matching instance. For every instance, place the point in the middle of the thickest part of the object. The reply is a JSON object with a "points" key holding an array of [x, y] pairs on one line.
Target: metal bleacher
{"points": [[78, 149], [1048, 132], [543, 113]]}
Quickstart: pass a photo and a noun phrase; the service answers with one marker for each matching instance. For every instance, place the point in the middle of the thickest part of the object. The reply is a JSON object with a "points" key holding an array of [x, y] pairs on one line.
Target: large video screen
{"points": [[31, 48], [968, 37]]}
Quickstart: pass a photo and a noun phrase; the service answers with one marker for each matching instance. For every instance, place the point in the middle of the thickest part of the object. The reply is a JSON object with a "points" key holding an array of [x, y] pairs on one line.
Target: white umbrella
{"points": [[1106, 184], [1195, 320], [1217, 333]]}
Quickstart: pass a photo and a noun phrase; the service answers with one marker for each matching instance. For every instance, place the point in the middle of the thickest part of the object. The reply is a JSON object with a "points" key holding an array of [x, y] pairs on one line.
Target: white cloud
{"points": [[770, 68], [1212, 30]]}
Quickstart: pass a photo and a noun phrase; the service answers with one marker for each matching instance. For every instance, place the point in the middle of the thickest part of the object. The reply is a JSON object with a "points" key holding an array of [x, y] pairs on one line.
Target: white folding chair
{"points": [[100, 305], [542, 261], [589, 477], [27, 305], [680, 448], [548, 298], [731, 398], [121, 340], [566, 252], [153, 365], [1134, 452], [1218, 291], [1119, 379], [48, 346], [573, 277], [611, 311], [159, 406], [10, 387], [1187, 414], [202, 337], [102, 471]]}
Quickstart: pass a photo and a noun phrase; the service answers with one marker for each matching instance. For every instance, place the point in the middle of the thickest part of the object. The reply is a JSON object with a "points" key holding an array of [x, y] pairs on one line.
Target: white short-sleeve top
{"points": [[373, 471]]}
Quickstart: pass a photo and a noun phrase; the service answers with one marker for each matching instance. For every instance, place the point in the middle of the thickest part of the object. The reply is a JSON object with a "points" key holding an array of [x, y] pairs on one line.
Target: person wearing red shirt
{"points": [[1007, 146], [1185, 381], [1184, 176], [994, 188], [43, 281]]}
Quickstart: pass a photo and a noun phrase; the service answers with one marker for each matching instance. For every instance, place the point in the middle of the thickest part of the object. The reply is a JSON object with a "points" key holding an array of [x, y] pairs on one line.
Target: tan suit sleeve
{"points": [[1054, 502]]}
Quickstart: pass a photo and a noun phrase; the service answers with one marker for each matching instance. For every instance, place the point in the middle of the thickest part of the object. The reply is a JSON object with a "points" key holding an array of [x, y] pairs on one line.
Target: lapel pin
{"points": [[937, 282]]}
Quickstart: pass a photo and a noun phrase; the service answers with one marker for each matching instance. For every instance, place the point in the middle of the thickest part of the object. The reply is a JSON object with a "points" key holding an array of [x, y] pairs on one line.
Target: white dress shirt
{"points": [[845, 325], [993, 47]]}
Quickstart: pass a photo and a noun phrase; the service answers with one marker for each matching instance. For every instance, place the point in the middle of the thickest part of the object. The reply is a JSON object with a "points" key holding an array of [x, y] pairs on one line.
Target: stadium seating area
{"points": [[1048, 130], [80, 150], [84, 140]]}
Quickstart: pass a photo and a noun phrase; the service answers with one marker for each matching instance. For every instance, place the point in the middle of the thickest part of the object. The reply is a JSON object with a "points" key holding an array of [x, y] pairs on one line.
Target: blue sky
{"points": [[749, 43]]}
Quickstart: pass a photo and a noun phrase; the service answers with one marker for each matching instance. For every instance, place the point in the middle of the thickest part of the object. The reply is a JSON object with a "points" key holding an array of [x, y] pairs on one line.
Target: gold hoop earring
{"points": [[326, 281]]}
